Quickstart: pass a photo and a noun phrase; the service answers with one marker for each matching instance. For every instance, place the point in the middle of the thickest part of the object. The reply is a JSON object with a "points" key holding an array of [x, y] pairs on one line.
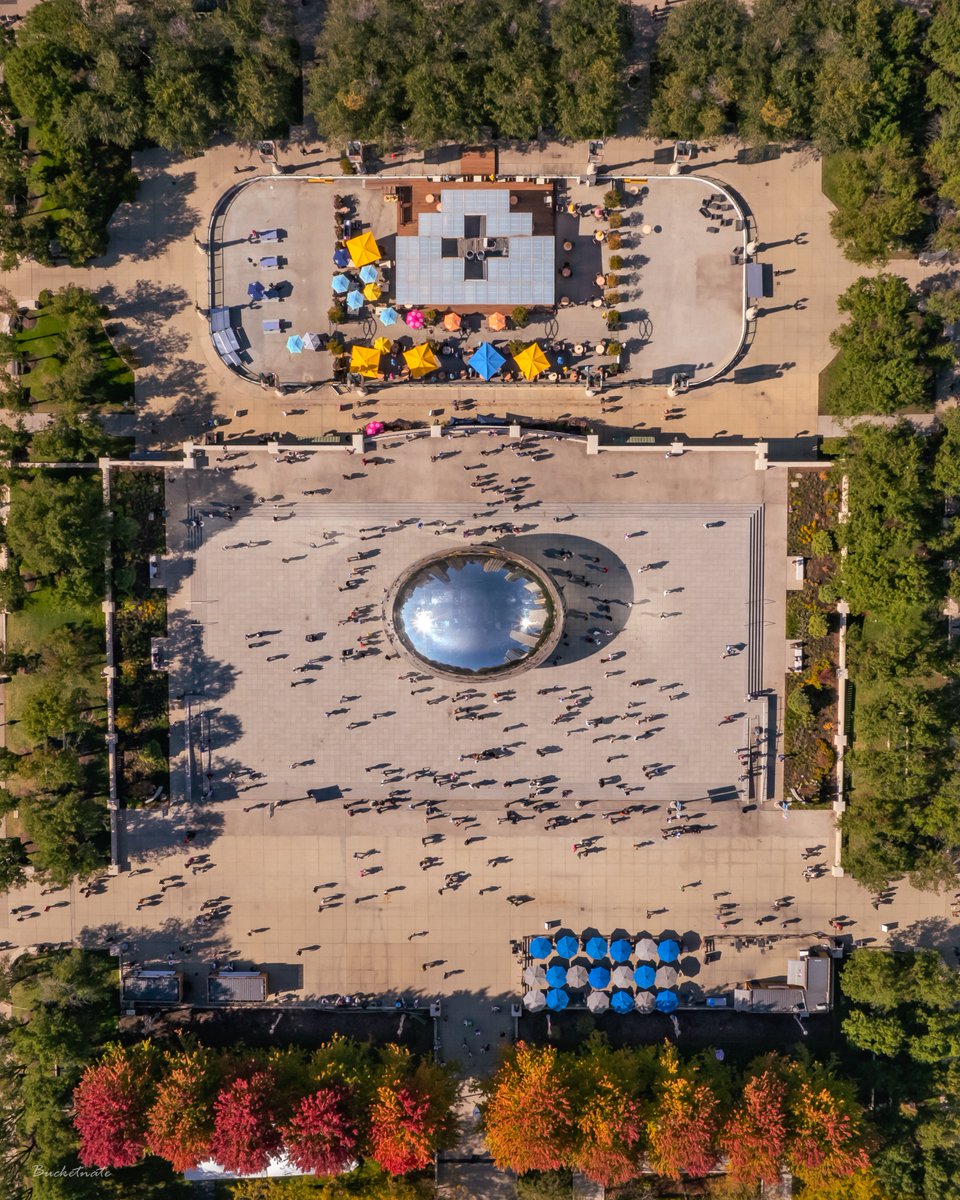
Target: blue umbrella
{"points": [[341, 257], [255, 290], [368, 273], [667, 1001], [620, 950], [599, 977], [557, 999], [644, 976], [556, 976], [567, 946], [341, 284], [295, 343], [389, 316], [597, 947], [486, 360], [541, 947], [668, 950], [621, 1002], [354, 300]]}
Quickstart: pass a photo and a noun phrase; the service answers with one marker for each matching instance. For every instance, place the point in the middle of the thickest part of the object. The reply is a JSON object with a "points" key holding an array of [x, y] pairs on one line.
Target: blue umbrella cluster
{"points": [[341, 284], [619, 950], [341, 258], [354, 301]]}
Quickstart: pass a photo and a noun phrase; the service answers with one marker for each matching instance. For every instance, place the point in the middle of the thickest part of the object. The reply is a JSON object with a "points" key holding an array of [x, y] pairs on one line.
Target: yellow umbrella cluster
{"points": [[365, 361], [372, 291], [421, 360], [531, 361], [383, 344]]}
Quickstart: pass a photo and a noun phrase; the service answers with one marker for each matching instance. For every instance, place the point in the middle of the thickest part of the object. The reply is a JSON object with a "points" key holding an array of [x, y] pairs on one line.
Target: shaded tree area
{"points": [[903, 815], [327, 1108], [904, 1015], [539, 68], [97, 80], [613, 1114], [56, 537], [848, 76]]}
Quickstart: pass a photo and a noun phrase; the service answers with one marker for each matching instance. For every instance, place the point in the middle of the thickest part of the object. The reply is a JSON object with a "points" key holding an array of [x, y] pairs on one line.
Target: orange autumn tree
{"points": [[755, 1137], [610, 1124], [829, 1141], [683, 1127], [180, 1122], [528, 1118], [411, 1113]]}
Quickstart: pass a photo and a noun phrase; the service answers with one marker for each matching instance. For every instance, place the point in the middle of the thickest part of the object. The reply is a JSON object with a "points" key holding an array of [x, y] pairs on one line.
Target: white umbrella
{"points": [[644, 1002], [666, 977], [312, 341], [646, 950], [577, 977], [534, 1001], [535, 976], [598, 1002], [623, 976]]}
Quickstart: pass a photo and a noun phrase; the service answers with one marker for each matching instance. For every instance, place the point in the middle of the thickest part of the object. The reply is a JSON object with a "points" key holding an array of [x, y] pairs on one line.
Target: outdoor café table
{"points": [[271, 326], [270, 261], [578, 349]]}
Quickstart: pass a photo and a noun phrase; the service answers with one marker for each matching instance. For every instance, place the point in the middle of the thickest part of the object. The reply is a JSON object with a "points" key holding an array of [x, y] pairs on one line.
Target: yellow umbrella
{"points": [[497, 321], [363, 249], [452, 322], [365, 360], [383, 344], [531, 361], [421, 360], [372, 291]]}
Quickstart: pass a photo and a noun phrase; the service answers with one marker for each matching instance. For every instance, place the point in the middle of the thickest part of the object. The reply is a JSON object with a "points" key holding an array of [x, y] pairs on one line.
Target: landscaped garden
{"points": [[142, 722], [67, 358], [810, 723]]}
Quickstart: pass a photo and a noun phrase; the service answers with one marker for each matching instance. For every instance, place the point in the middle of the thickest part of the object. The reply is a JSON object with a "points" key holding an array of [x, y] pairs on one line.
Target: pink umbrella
{"points": [[373, 427], [414, 318]]}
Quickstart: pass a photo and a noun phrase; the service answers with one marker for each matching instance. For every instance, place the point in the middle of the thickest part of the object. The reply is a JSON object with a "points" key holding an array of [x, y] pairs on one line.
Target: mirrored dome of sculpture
{"points": [[482, 611]]}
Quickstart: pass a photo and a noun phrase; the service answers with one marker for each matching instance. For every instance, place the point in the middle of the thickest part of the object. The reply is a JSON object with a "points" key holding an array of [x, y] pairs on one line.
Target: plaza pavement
{"points": [[265, 851]]}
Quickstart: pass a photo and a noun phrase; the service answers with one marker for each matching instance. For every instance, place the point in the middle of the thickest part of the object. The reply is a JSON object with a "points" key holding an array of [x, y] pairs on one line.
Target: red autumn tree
{"points": [[755, 1138], [611, 1127], [828, 1141], [529, 1116], [321, 1136], [244, 1134], [180, 1123], [110, 1106], [684, 1124], [400, 1133]]}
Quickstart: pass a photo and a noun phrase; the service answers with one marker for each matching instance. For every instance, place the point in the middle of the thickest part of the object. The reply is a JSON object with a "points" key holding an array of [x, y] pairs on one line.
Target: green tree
{"points": [[876, 1034], [57, 528], [52, 711], [13, 859], [883, 364], [70, 834], [877, 196], [698, 76], [588, 38]]}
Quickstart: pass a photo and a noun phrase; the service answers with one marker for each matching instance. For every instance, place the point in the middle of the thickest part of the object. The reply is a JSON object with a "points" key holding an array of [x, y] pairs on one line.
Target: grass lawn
{"points": [[27, 630], [829, 167], [827, 406], [42, 344]]}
